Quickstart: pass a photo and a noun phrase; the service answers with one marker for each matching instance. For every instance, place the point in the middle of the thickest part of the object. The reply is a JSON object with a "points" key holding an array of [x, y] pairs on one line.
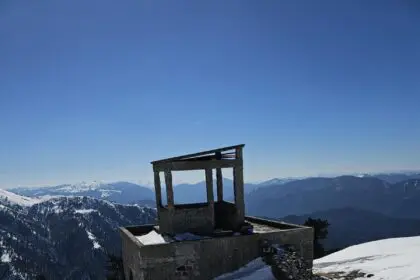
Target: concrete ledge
{"points": [[139, 229], [272, 223]]}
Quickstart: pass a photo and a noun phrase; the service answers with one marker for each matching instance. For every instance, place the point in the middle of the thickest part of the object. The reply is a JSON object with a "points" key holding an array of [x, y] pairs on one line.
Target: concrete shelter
{"points": [[201, 241], [202, 218]]}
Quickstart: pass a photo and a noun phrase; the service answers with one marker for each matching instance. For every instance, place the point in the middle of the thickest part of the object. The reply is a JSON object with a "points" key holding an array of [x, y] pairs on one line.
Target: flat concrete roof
{"points": [[200, 155]]}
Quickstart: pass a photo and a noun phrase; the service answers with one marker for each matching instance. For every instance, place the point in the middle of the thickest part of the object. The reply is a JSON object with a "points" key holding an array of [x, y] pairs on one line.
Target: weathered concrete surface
{"points": [[199, 217], [191, 219], [226, 216], [207, 258]]}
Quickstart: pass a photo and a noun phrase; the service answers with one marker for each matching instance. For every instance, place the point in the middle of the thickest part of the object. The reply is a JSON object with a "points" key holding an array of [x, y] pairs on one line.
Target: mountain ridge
{"points": [[401, 200], [350, 226], [63, 237], [119, 192], [69, 236]]}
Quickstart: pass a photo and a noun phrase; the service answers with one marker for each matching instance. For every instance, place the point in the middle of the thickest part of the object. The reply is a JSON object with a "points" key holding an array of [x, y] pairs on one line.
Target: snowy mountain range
{"points": [[70, 236], [69, 229], [395, 177], [126, 193], [61, 237], [301, 197], [119, 192]]}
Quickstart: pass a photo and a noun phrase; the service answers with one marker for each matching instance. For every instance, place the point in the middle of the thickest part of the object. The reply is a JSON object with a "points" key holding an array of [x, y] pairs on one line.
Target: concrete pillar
{"points": [[219, 178], [210, 195], [209, 186], [158, 190], [169, 189], [238, 184]]}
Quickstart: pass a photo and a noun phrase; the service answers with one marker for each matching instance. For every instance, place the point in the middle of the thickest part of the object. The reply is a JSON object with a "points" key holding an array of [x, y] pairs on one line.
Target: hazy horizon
{"points": [[150, 184], [96, 90]]}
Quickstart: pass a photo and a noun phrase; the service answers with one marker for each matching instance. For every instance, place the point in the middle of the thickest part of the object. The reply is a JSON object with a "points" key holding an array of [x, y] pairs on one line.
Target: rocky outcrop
{"points": [[285, 262]]}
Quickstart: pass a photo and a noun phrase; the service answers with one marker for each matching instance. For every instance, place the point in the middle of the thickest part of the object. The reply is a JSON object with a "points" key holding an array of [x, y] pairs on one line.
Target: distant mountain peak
{"points": [[80, 187], [276, 181]]}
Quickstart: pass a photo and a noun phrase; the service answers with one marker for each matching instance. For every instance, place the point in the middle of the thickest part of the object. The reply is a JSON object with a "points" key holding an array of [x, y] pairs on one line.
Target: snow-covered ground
{"points": [[153, 238], [387, 259], [255, 270]]}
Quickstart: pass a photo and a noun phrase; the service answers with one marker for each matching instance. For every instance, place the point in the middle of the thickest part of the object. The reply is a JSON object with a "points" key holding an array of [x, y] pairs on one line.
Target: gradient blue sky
{"points": [[95, 90]]}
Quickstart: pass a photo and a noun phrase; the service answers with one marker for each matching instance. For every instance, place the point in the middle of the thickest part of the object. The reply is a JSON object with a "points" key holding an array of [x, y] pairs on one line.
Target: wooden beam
{"points": [[199, 154], [219, 178], [197, 165], [169, 189], [209, 186], [158, 190]]}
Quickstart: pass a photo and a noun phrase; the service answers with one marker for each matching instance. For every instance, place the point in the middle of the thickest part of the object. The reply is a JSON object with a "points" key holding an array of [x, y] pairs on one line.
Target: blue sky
{"points": [[95, 90]]}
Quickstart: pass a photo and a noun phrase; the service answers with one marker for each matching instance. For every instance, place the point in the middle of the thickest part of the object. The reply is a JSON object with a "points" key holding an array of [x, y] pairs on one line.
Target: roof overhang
{"points": [[226, 157]]}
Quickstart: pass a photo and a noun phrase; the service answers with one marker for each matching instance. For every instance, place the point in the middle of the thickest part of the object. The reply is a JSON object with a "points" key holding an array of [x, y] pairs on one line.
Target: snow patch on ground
{"points": [[57, 209], [85, 211], [151, 238], [93, 239], [254, 270], [5, 257], [154, 237], [387, 259]]}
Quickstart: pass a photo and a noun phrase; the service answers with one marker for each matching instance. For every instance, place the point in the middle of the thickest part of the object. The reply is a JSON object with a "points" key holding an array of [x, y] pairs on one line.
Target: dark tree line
{"points": [[320, 233], [115, 267], [3, 273]]}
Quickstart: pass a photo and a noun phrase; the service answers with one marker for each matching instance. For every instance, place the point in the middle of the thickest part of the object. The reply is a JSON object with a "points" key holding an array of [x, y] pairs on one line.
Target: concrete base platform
{"points": [[208, 257]]}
